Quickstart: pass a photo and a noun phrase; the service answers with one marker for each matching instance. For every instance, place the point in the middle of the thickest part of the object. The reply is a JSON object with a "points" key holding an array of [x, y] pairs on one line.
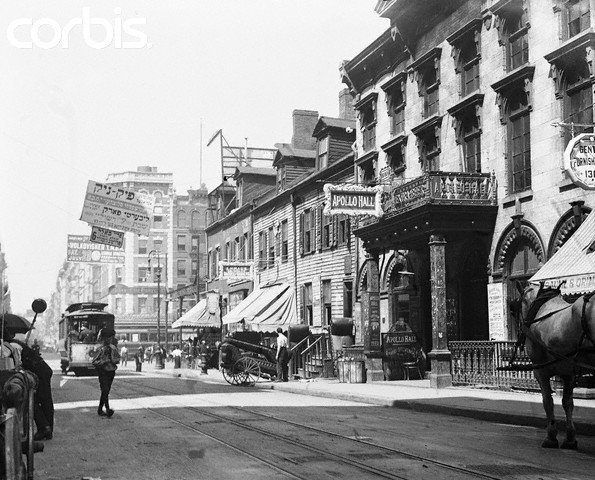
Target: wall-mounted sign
{"points": [[579, 160], [234, 271], [81, 249], [107, 237], [496, 318], [353, 200], [118, 209]]}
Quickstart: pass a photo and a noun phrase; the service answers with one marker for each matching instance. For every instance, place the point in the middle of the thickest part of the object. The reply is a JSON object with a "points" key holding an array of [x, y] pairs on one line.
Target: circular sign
{"points": [[95, 255], [579, 160]]}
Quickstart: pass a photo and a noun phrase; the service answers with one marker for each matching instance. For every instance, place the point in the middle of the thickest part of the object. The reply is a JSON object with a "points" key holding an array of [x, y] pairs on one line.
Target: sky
{"points": [[89, 88]]}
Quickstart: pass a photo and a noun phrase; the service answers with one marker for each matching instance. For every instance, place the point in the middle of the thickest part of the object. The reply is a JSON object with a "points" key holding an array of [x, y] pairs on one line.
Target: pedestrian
{"points": [[282, 357], [204, 351], [43, 403], [124, 355], [105, 359], [35, 347], [138, 359]]}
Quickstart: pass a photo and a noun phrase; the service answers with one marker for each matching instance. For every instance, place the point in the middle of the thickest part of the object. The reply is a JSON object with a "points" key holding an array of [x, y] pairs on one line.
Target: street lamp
{"points": [[158, 356]]}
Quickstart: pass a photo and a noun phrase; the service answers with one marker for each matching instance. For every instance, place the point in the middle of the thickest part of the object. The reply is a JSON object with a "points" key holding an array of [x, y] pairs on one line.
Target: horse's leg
{"points": [[551, 440], [568, 404]]}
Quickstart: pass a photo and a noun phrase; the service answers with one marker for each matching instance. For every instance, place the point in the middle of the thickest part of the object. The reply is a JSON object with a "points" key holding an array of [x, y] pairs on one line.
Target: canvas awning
{"points": [[198, 316], [266, 308], [574, 263]]}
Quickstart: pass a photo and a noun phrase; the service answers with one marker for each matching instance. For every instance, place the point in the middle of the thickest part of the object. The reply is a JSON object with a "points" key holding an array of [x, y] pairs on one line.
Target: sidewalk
{"points": [[518, 408]]}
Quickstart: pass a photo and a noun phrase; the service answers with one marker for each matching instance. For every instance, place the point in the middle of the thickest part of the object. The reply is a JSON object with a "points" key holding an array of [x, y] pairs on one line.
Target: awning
{"points": [[266, 308], [573, 263], [198, 316]]}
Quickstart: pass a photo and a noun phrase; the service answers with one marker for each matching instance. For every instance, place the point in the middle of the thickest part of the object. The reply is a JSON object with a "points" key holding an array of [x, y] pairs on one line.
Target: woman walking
{"points": [[105, 360]]}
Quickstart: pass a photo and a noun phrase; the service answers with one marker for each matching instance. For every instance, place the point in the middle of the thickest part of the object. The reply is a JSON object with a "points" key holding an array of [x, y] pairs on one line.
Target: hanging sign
{"points": [[116, 208], [106, 237], [496, 319], [353, 200], [81, 249], [579, 160], [235, 270]]}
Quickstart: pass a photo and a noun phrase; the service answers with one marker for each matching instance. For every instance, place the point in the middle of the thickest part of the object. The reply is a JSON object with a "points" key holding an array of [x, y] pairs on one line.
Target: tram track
{"points": [[377, 451]]}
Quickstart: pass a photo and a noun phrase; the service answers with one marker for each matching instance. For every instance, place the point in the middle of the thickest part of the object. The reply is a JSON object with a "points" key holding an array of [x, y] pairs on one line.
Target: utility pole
{"points": [[158, 358]]}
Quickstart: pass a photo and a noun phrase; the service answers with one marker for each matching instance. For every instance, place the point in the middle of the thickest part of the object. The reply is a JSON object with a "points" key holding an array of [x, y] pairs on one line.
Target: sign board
{"points": [[353, 200], [107, 237], [81, 249], [371, 312], [213, 302], [235, 270], [579, 160], [496, 319], [118, 209]]}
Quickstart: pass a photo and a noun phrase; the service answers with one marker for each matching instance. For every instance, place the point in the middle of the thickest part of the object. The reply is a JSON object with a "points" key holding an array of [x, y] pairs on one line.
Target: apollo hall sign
{"points": [[353, 200]]}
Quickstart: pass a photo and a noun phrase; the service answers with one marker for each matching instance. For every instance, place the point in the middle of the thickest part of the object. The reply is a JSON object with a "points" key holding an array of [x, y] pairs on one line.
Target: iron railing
{"points": [[477, 362], [312, 357]]}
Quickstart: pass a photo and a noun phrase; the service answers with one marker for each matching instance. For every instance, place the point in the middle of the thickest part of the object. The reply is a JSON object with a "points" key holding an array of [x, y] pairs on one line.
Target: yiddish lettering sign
{"points": [[579, 160], [81, 249], [353, 200], [118, 209], [106, 237]]}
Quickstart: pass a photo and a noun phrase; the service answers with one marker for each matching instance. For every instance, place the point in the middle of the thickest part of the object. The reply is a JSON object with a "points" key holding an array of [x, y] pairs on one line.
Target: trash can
{"points": [[177, 361], [351, 371]]}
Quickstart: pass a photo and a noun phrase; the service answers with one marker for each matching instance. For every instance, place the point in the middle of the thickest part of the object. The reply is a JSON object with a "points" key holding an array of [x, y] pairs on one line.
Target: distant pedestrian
{"points": [[105, 359], [124, 355], [138, 359], [282, 357], [204, 352]]}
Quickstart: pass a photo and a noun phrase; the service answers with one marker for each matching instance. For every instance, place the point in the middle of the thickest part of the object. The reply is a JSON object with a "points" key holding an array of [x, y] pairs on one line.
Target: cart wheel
{"points": [[232, 376], [251, 369]]}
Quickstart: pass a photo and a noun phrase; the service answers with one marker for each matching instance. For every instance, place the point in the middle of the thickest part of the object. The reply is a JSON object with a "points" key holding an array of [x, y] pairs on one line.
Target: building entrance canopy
{"points": [[198, 316], [573, 264], [266, 308]]}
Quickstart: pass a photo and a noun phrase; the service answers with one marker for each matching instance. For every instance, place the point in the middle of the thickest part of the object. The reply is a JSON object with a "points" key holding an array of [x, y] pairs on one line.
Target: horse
{"points": [[560, 339]]}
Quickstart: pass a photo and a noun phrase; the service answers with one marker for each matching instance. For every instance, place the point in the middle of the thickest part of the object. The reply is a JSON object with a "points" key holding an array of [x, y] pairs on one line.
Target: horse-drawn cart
{"points": [[244, 363]]}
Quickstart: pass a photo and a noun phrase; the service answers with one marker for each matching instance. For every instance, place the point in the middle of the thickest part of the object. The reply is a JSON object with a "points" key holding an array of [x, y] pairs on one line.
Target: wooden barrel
{"points": [[342, 327], [298, 332]]}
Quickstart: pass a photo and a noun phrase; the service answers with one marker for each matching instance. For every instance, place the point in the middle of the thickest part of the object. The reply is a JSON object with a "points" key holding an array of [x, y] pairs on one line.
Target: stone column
{"points": [[440, 357], [371, 320]]}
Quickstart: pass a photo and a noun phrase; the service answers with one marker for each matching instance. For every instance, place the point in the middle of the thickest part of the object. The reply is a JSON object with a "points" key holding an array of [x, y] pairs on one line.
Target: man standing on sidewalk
{"points": [[282, 357]]}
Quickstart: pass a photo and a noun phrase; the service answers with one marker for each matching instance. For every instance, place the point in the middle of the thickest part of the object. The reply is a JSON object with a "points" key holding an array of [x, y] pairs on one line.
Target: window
{"points": [[181, 242], [472, 149], [579, 16], [366, 111], [182, 221], [428, 144], [158, 197], [195, 220], [271, 248], [348, 299], [155, 304], [343, 233], [119, 274], [247, 247], [520, 152], [281, 177], [242, 248], [227, 251], [284, 242], [467, 117], [142, 245], [194, 243], [323, 144], [236, 248], [513, 27], [367, 169], [426, 71], [262, 250], [308, 309], [308, 224], [143, 273], [395, 102], [194, 268], [210, 263], [327, 230], [181, 268], [158, 244], [326, 303], [119, 306], [158, 221], [142, 305], [395, 155], [466, 53]]}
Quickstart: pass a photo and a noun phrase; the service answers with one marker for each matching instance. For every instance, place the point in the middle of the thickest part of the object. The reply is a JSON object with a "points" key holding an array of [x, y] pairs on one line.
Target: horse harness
{"points": [[543, 296]]}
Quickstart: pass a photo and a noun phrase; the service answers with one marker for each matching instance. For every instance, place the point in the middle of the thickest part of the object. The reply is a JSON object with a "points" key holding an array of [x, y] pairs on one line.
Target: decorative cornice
{"points": [[370, 156], [431, 122], [398, 140]]}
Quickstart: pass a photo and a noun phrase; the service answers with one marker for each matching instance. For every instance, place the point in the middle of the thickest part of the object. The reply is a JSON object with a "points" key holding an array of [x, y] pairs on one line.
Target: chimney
{"points": [[304, 122], [346, 110]]}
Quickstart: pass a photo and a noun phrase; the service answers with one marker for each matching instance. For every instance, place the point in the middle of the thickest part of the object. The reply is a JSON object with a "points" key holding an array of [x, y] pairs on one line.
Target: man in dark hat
{"points": [[138, 358]]}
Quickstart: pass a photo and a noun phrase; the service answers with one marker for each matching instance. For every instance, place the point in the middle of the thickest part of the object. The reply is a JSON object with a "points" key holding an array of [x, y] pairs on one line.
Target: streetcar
{"points": [[78, 329]]}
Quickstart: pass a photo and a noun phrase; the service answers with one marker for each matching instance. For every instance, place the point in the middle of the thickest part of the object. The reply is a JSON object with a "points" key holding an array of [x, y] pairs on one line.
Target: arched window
{"points": [[158, 197], [182, 221]]}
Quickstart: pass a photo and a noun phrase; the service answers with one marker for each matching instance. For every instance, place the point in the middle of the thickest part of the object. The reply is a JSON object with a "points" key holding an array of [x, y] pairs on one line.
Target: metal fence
{"points": [[476, 363]]}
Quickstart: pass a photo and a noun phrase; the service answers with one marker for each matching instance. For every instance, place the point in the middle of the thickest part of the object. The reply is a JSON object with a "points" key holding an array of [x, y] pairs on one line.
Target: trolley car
{"points": [[78, 329]]}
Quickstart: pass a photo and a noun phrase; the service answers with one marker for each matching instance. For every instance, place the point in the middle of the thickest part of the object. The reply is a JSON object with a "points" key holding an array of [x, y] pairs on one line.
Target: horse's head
{"points": [[520, 306]]}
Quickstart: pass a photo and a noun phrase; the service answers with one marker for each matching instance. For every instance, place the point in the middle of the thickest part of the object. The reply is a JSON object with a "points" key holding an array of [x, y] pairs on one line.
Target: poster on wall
{"points": [[496, 318]]}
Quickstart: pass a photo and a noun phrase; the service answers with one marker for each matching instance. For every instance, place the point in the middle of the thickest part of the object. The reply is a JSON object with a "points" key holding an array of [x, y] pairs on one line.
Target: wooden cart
{"points": [[244, 363]]}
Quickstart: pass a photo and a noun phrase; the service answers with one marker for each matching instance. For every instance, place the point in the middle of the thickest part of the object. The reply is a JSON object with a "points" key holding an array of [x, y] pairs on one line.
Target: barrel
{"points": [[342, 327]]}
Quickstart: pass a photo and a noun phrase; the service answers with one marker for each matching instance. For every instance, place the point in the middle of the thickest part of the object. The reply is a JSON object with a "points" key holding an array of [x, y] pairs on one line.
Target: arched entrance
{"points": [[403, 302]]}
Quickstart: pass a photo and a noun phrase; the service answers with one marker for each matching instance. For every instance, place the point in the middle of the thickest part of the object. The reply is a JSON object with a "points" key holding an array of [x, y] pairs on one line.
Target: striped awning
{"points": [[198, 316], [266, 308], [574, 263]]}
